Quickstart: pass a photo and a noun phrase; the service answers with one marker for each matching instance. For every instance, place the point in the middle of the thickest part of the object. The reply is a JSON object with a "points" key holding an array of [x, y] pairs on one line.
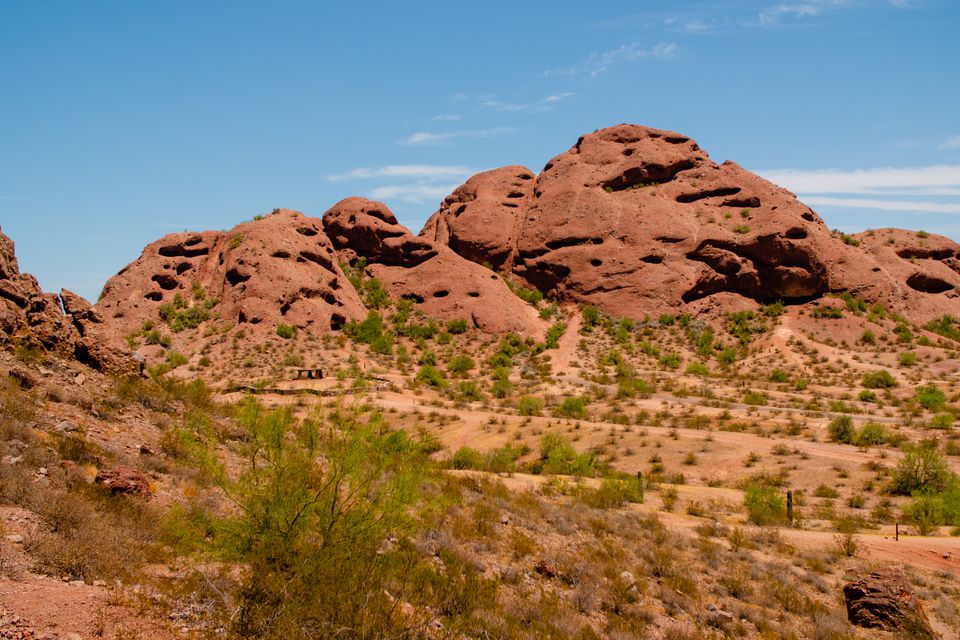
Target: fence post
{"points": [[790, 508]]}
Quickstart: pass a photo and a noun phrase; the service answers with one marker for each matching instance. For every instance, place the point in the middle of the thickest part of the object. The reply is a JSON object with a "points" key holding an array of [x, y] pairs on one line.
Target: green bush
{"points": [[311, 536], [942, 421], [286, 331], [574, 407], [879, 380], [930, 397], [922, 469], [467, 458], [612, 493], [457, 327], [764, 504], [529, 406], [871, 434], [841, 429], [460, 365], [671, 360], [431, 376], [557, 456], [827, 311]]}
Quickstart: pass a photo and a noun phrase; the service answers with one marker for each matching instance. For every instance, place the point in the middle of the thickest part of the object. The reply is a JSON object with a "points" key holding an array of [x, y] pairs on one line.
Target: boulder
{"points": [[884, 600], [123, 480]]}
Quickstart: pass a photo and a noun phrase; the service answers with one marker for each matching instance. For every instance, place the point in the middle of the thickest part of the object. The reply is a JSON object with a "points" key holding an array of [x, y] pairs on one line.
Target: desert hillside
{"points": [[637, 395]]}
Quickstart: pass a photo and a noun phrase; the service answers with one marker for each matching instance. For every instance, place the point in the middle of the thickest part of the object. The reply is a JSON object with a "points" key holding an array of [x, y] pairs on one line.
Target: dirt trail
{"points": [[567, 348]]}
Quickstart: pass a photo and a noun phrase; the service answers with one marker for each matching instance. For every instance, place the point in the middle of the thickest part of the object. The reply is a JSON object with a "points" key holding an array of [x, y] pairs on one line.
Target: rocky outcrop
{"points": [[479, 219], [638, 220], [28, 314], [64, 325], [278, 269], [441, 283], [884, 600]]}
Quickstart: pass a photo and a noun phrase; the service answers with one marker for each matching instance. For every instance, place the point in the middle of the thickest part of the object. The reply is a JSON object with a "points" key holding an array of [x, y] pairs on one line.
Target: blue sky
{"points": [[123, 121]]}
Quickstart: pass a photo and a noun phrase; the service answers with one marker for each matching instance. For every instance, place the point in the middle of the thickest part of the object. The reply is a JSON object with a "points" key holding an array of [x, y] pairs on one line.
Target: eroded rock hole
{"points": [[928, 284], [596, 262], [796, 233], [443, 293], [155, 296], [166, 282], [707, 193], [235, 277]]}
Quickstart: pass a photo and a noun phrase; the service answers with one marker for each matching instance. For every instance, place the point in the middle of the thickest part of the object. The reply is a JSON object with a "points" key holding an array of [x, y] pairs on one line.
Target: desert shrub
{"points": [[89, 535], [879, 380], [457, 327], [827, 311], [779, 375], [922, 469], [871, 434], [430, 376], [930, 397], [612, 493], [671, 360], [764, 504], [310, 535], [467, 458], [286, 331], [554, 333], [942, 421], [460, 365], [907, 358], [945, 326], [755, 398], [574, 407], [529, 406], [591, 316], [841, 429], [557, 456]]}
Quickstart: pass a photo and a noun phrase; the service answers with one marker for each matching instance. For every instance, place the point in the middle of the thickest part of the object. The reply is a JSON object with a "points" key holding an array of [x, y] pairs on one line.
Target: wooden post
{"points": [[896, 532], [790, 508]]}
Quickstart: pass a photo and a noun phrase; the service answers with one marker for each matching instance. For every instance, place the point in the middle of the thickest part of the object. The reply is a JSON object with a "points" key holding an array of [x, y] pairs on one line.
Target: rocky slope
{"points": [[64, 324], [637, 220]]}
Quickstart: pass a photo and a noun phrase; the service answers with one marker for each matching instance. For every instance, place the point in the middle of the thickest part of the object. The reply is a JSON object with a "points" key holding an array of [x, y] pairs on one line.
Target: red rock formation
{"points": [[638, 220], [279, 269], [442, 283], [65, 325]]}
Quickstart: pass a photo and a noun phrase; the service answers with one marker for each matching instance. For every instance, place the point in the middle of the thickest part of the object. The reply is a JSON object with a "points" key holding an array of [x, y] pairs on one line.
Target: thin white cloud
{"points": [[933, 180], [425, 171], [412, 193], [433, 137], [953, 142], [599, 62], [886, 205], [544, 104], [447, 117]]}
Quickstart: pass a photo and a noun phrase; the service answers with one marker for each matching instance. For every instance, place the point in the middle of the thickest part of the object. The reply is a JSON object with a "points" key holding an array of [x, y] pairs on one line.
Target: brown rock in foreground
{"points": [[638, 220], [442, 283], [883, 600]]}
